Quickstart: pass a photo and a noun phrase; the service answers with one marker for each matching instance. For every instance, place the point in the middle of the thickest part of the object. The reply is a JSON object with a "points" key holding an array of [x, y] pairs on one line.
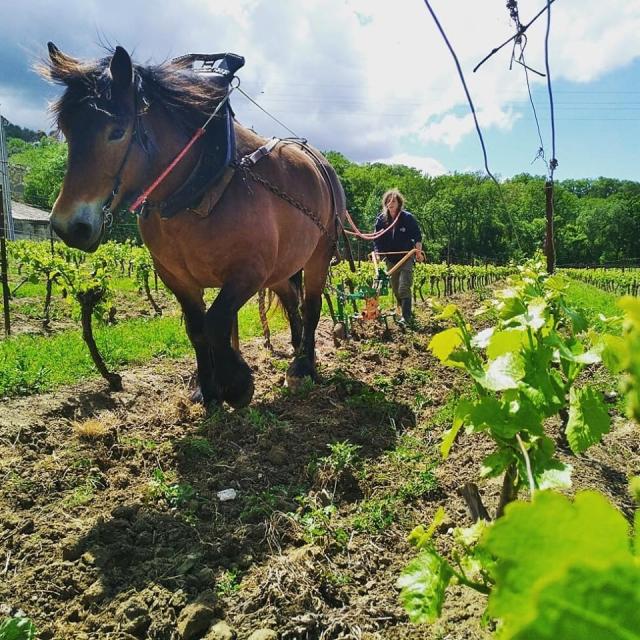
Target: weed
{"points": [[444, 416], [408, 449], [196, 447], [228, 583], [420, 402], [18, 628], [382, 350], [263, 421], [140, 444], [418, 376], [420, 484], [23, 376], [338, 579], [314, 519], [259, 506], [96, 427], [32, 364], [302, 389], [84, 493], [375, 515], [371, 401], [279, 364], [343, 456], [383, 382], [82, 463], [174, 493]]}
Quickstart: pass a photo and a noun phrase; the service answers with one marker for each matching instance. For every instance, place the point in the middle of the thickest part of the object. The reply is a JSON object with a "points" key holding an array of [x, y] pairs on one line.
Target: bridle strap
{"points": [[107, 214]]}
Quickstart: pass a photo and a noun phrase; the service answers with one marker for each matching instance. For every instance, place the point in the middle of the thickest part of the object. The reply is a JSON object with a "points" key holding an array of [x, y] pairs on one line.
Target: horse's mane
{"points": [[189, 98]]}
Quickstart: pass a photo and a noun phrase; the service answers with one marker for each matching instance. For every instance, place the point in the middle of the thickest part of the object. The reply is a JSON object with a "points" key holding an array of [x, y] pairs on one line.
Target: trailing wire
{"points": [[540, 153], [520, 32], [521, 41], [282, 124], [475, 118]]}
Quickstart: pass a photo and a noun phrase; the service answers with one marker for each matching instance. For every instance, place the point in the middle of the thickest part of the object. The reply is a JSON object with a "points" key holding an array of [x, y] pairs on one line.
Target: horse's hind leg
{"points": [[315, 275], [288, 291], [233, 375], [194, 319]]}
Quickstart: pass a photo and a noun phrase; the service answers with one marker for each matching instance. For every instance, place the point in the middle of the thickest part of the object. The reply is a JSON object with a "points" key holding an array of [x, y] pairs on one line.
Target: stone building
{"points": [[30, 223]]}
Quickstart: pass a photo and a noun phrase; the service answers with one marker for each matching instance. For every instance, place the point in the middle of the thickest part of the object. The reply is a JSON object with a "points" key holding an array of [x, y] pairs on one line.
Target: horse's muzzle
{"points": [[79, 234]]}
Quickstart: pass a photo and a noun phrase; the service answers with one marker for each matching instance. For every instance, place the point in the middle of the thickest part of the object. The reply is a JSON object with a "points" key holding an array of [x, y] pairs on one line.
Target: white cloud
{"points": [[430, 166], [359, 76]]}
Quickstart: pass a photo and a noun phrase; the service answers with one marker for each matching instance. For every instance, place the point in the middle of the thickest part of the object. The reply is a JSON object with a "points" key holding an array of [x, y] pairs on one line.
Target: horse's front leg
{"points": [[189, 295], [233, 375]]}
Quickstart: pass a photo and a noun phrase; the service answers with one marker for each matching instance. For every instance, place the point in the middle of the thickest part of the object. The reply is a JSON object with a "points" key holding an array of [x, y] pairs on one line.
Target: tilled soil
{"points": [[112, 526]]}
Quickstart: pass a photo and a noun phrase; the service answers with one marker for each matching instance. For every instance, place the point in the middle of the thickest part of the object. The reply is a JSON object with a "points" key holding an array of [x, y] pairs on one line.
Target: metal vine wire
{"points": [[553, 163], [475, 117]]}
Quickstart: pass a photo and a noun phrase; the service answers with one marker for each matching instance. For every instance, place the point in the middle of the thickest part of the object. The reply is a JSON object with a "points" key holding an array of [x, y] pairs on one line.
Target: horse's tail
{"points": [[296, 282]]}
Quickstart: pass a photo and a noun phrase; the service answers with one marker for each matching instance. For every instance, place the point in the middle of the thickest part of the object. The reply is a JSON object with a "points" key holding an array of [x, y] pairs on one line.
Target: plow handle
{"points": [[396, 266]]}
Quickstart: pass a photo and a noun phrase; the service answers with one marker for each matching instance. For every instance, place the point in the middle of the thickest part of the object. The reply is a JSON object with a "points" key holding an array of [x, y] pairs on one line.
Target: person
{"points": [[394, 245]]}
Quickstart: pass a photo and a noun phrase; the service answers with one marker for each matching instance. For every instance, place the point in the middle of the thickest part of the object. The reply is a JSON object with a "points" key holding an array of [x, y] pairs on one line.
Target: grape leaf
{"points": [[535, 544], [423, 583], [587, 602], [588, 419]]}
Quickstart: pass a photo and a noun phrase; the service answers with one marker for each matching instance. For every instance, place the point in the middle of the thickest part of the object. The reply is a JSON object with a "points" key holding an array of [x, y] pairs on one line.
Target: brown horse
{"points": [[124, 123]]}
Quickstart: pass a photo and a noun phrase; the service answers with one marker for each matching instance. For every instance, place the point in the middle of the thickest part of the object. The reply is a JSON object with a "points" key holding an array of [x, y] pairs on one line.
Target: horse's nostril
{"points": [[81, 231]]}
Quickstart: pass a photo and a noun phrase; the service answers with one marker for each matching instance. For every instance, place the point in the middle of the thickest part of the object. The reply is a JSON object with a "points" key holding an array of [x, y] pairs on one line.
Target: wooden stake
{"points": [[549, 244], [4, 269]]}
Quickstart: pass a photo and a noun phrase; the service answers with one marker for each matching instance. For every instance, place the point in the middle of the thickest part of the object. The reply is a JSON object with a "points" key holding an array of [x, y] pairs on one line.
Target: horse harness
{"points": [[210, 178]]}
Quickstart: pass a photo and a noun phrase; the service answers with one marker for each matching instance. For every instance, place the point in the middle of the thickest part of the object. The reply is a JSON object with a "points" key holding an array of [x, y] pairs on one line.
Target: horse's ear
{"points": [[58, 58], [121, 69]]}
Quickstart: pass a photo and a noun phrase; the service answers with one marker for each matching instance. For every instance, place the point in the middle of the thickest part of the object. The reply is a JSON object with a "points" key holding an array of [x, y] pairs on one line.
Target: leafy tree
{"points": [[46, 164]]}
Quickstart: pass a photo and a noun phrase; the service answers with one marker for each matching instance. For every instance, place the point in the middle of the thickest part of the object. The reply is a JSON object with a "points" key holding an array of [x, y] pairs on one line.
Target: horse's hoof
{"points": [[298, 370], [239, 398], [238, 391]]}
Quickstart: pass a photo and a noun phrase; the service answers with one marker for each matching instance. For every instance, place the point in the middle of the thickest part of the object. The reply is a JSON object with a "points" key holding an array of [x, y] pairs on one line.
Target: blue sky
{"points": [[597, 131], [371, 78]]}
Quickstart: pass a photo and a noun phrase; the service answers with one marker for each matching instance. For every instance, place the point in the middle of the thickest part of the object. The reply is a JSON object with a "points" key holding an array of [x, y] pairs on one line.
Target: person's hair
{"points": [[392, 194]]}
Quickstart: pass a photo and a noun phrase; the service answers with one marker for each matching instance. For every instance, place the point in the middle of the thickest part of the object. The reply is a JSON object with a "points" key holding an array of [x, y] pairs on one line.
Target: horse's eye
{"points": [[116, 134]]}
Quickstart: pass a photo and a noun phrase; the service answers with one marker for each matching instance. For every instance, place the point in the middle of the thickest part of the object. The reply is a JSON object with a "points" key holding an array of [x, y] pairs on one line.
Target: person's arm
{"points": [[420, 257]]}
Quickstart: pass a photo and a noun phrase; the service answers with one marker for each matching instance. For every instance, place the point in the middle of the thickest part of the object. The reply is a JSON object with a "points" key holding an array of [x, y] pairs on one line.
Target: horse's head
{"points": [[97, 115]]}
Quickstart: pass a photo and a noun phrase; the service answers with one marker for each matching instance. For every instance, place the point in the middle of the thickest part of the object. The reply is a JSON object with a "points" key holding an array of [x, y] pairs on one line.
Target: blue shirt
{"points": [[402, 237]]}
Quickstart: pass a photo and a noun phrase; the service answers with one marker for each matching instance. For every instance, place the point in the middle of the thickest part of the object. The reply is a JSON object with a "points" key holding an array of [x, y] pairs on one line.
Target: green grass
{"points": [[33, 364], [593, 302]]}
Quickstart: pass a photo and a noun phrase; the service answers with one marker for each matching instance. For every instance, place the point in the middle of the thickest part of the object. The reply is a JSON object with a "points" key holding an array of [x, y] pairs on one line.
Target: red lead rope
{"points": [[145, 194], [368, 236]]}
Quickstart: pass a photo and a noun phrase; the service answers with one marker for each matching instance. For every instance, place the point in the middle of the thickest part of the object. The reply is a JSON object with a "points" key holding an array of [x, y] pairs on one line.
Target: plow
{"points": [[364, 300]]}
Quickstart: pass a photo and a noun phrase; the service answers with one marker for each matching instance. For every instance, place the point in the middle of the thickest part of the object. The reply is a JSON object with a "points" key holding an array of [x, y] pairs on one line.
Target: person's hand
{"points": [[420, 257]]}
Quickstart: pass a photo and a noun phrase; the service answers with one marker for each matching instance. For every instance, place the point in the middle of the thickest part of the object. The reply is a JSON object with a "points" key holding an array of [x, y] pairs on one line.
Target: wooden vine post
{"points": [[4, 267], [549, 244]]}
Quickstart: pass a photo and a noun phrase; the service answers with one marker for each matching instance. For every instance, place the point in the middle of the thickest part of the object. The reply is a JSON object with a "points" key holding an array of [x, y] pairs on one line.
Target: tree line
{"points": [[463, 216]]}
